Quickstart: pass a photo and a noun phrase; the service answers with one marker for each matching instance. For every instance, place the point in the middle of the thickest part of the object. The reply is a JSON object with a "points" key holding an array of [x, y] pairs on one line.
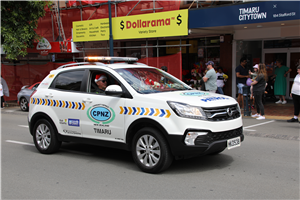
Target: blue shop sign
{"points": [[248, 13]]}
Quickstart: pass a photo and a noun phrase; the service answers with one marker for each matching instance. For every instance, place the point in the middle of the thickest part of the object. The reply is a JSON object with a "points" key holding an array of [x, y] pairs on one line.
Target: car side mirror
{"points": [[114, 90]]}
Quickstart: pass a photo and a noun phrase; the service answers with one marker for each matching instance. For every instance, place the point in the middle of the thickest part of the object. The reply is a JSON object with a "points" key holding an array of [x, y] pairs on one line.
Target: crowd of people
{"points": [[259, 78], [213, 81]]}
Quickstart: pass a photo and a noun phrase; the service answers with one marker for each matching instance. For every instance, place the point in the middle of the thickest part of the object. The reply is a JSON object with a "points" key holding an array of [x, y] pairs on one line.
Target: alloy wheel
{"points": [[43, 136], [148, 150]]}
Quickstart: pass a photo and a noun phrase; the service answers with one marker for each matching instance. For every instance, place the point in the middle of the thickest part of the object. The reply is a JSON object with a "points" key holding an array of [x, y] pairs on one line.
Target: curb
{"points": [[271, 117]]}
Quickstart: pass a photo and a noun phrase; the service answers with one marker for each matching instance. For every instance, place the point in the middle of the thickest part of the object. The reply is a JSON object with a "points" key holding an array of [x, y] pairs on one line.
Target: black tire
{"points": [[45, 137], [150, 151], [24, 104]]}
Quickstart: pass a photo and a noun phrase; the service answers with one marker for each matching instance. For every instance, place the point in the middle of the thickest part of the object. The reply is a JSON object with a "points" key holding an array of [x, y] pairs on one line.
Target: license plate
{"points": [[234, 142]]}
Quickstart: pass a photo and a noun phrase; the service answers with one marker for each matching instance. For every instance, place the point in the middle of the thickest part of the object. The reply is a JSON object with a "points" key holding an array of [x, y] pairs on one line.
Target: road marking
{"points": [[17, 142], [62, 149], [25, 126], [248, 129], [259, 124], [9, 110]]}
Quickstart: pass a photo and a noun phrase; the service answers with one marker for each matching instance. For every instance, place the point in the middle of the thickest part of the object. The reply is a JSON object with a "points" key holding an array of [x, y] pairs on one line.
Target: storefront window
{"points": [[251, 50], [269, 44]]}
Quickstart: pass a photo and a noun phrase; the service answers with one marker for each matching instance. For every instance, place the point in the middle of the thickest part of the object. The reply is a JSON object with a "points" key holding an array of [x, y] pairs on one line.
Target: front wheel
{"points": [[150, 151], [45, 138]]}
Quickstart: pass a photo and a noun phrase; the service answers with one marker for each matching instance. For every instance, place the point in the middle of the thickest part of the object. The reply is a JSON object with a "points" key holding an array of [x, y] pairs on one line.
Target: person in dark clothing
{"points": [[165, 68], [241, 77], [259, 84]]}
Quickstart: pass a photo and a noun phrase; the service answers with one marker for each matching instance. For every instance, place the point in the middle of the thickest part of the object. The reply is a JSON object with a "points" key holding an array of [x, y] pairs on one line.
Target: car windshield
{"points": [[151, 80]]}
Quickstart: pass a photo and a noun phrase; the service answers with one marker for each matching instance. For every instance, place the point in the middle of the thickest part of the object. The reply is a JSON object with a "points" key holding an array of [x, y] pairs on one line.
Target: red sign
{"points": [[55, 47], [44, 52]]}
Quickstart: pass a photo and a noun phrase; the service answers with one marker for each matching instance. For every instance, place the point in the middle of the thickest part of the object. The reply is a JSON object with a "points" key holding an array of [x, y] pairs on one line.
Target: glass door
{"points": [[290, 58]]}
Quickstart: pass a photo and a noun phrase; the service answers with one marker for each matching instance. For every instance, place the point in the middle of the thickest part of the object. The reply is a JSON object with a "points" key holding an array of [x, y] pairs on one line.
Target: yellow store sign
{"points": [[91, 30], [163, 24]]}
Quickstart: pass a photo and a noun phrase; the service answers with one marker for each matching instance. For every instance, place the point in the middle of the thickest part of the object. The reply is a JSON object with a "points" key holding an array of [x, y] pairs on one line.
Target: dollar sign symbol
{"points": [[122, 25], [179, 20]]}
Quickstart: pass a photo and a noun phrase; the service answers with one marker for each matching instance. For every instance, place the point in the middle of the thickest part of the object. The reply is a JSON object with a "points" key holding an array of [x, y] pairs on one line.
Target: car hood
{"points": [[196, 98]]}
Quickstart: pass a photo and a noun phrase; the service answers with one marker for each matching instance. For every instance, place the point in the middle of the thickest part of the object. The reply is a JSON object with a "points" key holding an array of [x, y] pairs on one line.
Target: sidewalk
{"points": [[277, 111]]}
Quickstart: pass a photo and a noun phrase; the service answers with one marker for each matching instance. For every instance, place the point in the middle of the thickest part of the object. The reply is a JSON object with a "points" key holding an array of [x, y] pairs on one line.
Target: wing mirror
{"points": [[114, 90]]}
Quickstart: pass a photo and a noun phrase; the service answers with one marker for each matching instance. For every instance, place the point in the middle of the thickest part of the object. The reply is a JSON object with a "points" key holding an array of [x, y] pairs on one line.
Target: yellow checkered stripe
{"points": [[58, 103], [156, 112]]}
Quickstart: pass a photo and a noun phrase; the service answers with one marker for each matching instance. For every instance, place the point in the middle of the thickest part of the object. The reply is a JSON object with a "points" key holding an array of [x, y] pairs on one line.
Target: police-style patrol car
{"points": [[143, 109]]}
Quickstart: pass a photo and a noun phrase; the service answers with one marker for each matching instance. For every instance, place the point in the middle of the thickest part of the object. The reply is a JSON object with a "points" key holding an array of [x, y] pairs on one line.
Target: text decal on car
{"points": [[194, 93], [101, 113]]}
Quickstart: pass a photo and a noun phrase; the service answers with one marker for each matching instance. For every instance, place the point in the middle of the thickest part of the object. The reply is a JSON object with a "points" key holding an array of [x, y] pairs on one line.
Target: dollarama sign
{"points": [[163, 24]]}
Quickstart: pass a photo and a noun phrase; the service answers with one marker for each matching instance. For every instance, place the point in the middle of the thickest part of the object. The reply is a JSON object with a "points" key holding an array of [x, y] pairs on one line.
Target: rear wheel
{"points": [[24, 104], [150, 151], [45, 138]]}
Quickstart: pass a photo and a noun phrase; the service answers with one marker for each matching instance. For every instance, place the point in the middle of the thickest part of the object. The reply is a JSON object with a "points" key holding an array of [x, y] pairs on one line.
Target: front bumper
{"points": [[204, 144]]}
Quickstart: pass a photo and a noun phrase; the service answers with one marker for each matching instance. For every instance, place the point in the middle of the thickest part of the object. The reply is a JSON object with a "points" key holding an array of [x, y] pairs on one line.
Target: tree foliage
{"points": [[19, 19]]}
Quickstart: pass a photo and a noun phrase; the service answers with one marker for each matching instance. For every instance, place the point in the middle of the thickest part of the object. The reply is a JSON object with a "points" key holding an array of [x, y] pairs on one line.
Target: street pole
{"points": [[111, 44]]}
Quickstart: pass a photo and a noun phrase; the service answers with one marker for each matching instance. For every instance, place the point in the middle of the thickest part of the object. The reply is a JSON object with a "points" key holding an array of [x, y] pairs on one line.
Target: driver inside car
{"points": [[101, 81]]}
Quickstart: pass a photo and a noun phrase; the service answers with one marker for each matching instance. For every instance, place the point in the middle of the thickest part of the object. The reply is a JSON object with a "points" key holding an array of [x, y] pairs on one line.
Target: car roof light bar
{"points": [[110, 59]]}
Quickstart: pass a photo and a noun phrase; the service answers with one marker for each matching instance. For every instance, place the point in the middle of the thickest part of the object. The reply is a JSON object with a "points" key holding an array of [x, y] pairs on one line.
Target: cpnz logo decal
{"points": [[101, 113], [194, 93]]}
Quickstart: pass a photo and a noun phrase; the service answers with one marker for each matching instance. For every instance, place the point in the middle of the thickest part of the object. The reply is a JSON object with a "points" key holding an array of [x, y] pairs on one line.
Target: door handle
{"points": [[88, 100], [49, 95]]}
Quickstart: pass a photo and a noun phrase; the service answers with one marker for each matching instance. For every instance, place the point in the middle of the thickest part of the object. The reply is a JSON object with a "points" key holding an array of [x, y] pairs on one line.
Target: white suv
{"points": [[143, 109]]}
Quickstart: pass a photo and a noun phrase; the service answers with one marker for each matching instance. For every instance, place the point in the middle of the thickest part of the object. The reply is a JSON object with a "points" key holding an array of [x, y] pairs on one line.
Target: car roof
{"points": [[97, 65]]}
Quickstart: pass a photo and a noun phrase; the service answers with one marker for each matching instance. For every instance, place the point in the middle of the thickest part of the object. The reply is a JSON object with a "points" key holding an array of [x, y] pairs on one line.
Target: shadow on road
{"points": [[98, 154]]}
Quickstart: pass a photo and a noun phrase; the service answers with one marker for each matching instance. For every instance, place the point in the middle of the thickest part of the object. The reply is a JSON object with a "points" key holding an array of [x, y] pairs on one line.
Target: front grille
{"points": [[212, 137], [222, 113]]}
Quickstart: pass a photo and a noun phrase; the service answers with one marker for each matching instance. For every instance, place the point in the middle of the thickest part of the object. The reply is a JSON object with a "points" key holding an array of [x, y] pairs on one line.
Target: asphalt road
{"points": [[266, 166]]}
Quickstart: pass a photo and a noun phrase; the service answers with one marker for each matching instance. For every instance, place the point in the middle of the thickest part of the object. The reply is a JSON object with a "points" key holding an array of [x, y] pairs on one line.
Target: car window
{"points": [[35, 86], [151, 80], [99, 80], [70, 80]]}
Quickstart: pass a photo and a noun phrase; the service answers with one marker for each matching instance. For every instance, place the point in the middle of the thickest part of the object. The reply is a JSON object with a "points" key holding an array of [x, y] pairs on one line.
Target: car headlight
{"points": [[188, 111]]}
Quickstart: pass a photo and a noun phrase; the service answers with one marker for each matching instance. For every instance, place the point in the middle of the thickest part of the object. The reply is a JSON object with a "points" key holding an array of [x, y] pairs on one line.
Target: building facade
{"points": [[223, 32]]}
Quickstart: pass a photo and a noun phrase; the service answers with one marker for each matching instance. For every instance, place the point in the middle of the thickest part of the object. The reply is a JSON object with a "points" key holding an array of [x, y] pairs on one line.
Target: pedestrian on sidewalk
{"points": [[221, 79], [5, 91], [259, 84], [210, 78], [241, 77], [281, 73], [253, 76], [1, 95], [295, 94]]}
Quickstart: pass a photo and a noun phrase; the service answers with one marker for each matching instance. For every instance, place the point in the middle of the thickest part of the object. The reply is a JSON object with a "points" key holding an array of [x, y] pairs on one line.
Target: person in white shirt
{"points": [[295, 94], [220, 80], [1, 94]]}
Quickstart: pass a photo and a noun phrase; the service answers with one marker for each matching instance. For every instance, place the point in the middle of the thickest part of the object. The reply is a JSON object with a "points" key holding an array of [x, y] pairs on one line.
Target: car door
{"points": [[101, 119], [63, 102]]}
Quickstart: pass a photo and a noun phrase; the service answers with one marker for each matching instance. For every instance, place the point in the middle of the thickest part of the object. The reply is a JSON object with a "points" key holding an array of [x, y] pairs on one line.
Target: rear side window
{"points": [[68, 80]]}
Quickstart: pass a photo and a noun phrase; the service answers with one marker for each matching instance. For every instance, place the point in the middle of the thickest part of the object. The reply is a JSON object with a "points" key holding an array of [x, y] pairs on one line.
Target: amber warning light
{"points": [[108, 59]]}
